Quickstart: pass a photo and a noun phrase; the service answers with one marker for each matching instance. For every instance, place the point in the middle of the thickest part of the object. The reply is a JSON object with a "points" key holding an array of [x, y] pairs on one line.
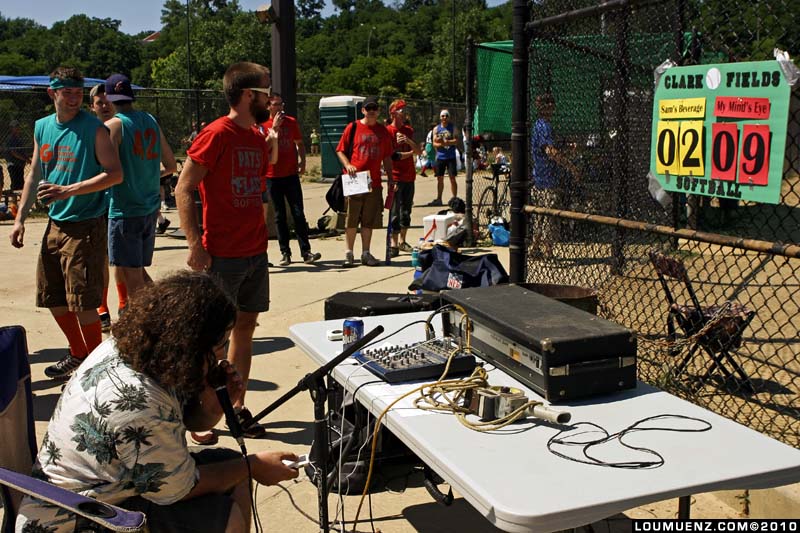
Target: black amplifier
{"points": [[347, 304], [555, 349]]}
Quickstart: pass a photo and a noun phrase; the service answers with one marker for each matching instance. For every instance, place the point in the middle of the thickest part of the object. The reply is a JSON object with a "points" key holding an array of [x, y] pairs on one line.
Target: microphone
{"points": [[218, 380]]}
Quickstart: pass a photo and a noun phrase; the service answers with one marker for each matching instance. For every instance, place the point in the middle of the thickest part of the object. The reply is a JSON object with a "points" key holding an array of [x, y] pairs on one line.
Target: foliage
{"points": [[402, 47]]}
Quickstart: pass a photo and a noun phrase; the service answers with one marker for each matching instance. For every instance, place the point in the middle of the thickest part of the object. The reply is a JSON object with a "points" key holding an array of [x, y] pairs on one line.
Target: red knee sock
{"points": [[103, 306], [122, 292], [92, 334], [72, 330]]}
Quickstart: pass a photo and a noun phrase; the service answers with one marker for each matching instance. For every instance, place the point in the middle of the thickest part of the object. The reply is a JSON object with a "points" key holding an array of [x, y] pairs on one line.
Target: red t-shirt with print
{"points": [[288, 133], [372, 144], [402, 169], [233, 215]]}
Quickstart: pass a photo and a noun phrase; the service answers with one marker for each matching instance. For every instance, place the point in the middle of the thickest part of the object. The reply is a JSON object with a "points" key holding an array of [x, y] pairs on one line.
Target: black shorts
{"points": [[442, 164], [204, 513], [245, 279]]}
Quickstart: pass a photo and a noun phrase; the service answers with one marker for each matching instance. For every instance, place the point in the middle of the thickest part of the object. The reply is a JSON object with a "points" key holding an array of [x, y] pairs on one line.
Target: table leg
{"points": [[684, 507]]}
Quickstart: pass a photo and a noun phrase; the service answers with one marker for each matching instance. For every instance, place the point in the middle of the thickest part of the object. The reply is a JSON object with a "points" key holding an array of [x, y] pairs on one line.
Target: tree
{"points": [[217, 42], [94, 45], [308, 9], [469, 22], [309, 18]]}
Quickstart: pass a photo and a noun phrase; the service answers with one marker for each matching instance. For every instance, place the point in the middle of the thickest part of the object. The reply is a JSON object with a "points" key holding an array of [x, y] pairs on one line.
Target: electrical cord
{"points": [[340, 505], [380, 417], [586, 445], [392, 334]]}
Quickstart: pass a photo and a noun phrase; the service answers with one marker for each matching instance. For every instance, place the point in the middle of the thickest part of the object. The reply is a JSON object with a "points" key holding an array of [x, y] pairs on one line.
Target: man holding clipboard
{"points": [[362, 151]]}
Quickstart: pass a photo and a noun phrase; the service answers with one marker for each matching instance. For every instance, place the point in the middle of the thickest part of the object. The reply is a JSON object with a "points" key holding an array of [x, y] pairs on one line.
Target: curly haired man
{"points": [[117, 433]]}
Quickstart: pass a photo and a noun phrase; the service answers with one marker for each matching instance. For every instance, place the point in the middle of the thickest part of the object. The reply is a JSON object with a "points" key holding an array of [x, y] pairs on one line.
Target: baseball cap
{"points": [[369, 100], [118, 89]]}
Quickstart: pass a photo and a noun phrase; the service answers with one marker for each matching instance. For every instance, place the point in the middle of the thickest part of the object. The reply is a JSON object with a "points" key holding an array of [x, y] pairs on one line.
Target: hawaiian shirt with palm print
{"points": [[115, 434]]}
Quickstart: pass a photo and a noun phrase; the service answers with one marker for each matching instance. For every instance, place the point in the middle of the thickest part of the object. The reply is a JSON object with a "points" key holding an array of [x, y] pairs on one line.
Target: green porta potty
{"points": [[335, 113]]}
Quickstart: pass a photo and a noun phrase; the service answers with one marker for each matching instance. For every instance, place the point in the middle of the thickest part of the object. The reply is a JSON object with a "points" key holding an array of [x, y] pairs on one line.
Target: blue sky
{"points": [[135, 15]]}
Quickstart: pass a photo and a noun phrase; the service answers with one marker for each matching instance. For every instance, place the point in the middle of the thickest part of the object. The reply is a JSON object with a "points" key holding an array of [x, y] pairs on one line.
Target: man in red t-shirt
{"points": [[403, 174], [227, 161], [372, 145], [283, 181]]}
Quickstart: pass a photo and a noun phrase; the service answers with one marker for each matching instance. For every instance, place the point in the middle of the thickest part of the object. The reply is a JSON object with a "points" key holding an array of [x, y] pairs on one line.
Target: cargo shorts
{"points": [[69, 272]]}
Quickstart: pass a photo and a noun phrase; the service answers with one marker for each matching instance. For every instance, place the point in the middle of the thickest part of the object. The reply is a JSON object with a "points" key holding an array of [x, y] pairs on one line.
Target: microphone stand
{"points": [[315, 384]]}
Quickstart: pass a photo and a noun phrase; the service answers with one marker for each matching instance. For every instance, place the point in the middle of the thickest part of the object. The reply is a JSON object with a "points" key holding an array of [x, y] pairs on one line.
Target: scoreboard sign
{"points": [[720, 130]]}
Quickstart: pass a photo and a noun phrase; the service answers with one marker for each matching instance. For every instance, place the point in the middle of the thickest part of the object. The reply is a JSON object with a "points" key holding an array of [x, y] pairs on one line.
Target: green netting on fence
{"points": [[493, 110]]}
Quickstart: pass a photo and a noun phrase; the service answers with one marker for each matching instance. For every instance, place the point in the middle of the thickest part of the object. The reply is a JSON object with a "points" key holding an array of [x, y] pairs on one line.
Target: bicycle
{"points": [[494, 200]]}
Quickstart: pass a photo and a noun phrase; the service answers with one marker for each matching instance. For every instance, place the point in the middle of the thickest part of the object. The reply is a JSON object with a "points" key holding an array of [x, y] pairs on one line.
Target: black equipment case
{"points": [[555, 349], [347, 304]]}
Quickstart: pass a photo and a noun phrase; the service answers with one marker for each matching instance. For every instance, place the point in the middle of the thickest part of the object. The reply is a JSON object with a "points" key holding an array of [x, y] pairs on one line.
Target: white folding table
{"points": [[512, 479]]}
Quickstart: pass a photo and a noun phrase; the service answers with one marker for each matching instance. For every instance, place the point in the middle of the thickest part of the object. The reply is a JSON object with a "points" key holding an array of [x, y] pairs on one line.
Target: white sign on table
{"points": [[358, 184]]}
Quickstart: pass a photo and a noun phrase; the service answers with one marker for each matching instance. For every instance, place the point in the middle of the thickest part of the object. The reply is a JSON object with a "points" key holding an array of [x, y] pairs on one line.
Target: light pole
{"points": [[369, 38], [189, 63], [280, 14], [453, 68]]}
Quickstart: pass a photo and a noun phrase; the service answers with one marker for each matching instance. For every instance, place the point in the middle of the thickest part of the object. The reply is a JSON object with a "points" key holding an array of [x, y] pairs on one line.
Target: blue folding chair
{"points": [[19, 451]]}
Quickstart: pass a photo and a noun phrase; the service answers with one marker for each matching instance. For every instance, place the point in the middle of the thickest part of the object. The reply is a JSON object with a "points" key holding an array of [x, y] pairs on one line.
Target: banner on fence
{"points": [[720, 130]]}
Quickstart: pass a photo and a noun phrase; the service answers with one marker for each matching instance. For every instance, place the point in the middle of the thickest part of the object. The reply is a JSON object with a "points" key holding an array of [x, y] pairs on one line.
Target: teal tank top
{"points": [[140, 154], [67, 156]]}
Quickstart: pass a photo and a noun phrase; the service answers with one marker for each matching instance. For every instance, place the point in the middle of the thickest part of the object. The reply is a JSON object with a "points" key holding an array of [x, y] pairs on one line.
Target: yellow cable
{"points": [[378, 420]]}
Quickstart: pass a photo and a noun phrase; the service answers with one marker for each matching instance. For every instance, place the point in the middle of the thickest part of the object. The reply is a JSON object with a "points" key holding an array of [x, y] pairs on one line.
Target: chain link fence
{"points": [[724, 334], [491, 139], [176, 111]]}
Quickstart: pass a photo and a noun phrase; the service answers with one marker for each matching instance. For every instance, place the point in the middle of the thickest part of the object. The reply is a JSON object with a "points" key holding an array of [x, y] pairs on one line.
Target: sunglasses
{"points": [[371, 107], [444, 116], [267, 91]]}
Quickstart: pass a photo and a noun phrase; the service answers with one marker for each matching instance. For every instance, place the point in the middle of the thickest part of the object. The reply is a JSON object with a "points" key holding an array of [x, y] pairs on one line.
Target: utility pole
{"points": [[284, 58]]}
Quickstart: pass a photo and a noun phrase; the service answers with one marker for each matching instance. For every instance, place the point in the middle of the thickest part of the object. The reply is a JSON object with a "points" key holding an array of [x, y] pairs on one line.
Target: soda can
{"points": [[352, 331]]}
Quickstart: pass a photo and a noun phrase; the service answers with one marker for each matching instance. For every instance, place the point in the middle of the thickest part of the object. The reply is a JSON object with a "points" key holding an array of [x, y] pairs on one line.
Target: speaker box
{"points": [[347, 304]]}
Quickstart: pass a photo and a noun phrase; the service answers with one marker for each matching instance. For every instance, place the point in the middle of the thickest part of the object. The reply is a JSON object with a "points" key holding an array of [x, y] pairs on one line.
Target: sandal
{"points": [[204, 438]]}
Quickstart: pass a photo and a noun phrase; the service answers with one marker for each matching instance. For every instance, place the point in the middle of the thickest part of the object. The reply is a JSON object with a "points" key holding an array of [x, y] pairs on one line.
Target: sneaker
{"points": [[394, 251], [405, 247], [435, 203], [349, 261], [286, 259], [63, 369], [105, 322], [311, 257], [256, 431], [368, 260], [162, 226]]}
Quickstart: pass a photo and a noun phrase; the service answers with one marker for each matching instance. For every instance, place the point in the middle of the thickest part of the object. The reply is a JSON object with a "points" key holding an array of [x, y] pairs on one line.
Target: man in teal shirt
{"points": [[74, 160], [135, 203]]}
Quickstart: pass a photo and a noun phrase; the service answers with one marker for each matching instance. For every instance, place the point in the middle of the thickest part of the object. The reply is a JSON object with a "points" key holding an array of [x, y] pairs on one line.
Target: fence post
{"points": [[469, 99], [620, 159], [519, 142]]}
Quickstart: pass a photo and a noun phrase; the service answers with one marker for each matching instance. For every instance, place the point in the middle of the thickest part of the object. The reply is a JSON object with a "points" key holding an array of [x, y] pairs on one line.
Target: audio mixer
{"points": [[422, 360]]}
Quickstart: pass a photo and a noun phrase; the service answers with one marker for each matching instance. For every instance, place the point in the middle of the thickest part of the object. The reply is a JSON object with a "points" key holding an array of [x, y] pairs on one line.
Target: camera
{"points": [[396, 155]]}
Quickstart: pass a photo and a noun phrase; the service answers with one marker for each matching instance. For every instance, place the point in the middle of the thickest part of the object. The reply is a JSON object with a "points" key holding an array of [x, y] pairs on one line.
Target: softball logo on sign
{"points": [[720, 130]]}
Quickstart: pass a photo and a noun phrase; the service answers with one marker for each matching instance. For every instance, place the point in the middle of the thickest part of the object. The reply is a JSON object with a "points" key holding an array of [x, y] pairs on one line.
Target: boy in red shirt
{"points": [[372, 145], [227, 161], [403, 175]]}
